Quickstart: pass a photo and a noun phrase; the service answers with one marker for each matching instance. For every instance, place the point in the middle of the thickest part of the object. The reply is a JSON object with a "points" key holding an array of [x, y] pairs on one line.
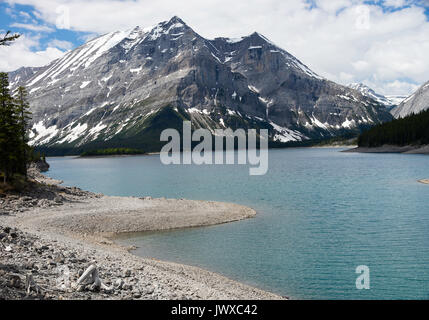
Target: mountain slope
{"points": [[414, 104], [122, 89]]}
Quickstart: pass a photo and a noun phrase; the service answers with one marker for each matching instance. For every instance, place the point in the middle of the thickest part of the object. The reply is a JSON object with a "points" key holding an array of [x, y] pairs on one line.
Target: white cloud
{"points": [[396, 3], [32, 27], [60, 44], [88, 37], [10, 12], [25, 15], [23, 54], [332, 6], [343, 40], [401, 86]]}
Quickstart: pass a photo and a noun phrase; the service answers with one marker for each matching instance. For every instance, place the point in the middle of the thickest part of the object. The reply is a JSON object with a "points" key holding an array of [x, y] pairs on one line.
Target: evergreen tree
{"points": [[14, 116], [13, 121], [411, 130], [23, 114], [8, 38], [9, 131]]}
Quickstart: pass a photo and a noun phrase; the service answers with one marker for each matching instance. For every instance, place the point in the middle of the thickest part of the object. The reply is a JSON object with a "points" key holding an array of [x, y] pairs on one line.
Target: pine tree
{"points": [[23, 113], [411, 130], [8, 38], [7, 128], [12, 156]]}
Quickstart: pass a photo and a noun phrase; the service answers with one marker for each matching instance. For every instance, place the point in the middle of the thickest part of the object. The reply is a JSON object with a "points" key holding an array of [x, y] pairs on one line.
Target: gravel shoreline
{"points": [[52, 234], [424, 149]]}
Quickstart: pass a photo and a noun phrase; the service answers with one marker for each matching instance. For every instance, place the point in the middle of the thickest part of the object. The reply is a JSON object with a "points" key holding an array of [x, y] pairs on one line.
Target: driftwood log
{"points": [[91, 278]]}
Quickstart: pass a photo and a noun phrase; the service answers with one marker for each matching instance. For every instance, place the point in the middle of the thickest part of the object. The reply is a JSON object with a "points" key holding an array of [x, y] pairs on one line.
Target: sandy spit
{"points": [[107, 217]]}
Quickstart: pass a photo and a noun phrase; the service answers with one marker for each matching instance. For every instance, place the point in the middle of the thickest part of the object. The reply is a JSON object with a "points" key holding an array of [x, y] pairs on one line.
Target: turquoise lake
{"points": [[321, 214]]}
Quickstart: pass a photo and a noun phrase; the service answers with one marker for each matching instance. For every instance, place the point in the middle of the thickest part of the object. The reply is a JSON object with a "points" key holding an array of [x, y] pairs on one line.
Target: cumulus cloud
{"points": [[25, 53], [343, 40], [401, 86]]}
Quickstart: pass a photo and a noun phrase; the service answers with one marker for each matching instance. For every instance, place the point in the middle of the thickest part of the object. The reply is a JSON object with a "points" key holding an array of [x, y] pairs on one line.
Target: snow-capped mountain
{"points": [[123, 88], [388, 101], [416, 103]]}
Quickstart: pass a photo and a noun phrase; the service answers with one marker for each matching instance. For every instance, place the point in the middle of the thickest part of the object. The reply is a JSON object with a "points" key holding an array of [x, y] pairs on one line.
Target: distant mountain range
{"points": [[388, 101], [399, 106], [123, 88]]}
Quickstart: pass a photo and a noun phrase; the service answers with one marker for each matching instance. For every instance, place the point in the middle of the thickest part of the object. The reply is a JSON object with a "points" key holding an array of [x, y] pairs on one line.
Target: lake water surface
{"points": [[321, 213]]}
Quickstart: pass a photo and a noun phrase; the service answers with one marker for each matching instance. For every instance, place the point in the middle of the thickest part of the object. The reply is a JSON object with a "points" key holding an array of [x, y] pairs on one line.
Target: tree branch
{"points": [[8, 38]]}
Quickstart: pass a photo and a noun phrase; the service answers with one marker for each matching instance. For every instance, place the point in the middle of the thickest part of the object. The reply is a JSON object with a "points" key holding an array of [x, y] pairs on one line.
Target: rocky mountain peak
{"points": [[120, 89], [177, 20], [172, 27]]}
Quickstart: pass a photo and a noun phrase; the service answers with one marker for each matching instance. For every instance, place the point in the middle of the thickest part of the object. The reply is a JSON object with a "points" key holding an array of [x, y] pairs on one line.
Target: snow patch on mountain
{"points": [[112, 85], [285, 134]]}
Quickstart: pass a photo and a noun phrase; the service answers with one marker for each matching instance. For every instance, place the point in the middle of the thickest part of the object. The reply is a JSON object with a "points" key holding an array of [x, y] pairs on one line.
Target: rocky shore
{"points": [[50, 234]]}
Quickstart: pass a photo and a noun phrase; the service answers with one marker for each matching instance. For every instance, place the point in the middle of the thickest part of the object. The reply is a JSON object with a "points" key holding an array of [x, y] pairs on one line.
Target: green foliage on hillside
{"points": [[411, 130], [111, 152]]}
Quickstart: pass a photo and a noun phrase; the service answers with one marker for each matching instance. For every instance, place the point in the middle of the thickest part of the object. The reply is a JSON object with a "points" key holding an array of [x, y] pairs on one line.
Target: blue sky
{"points": [[384, 44], [10, 16]]}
